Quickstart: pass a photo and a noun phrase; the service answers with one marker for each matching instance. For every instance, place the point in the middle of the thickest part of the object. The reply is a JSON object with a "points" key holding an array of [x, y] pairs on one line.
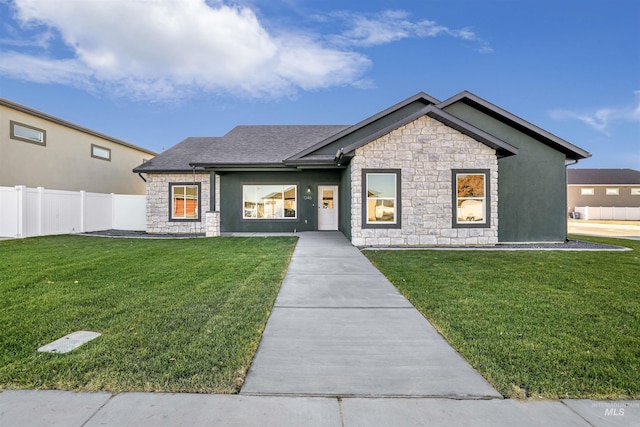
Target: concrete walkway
{"points": [[340, 328], [342, 348]]}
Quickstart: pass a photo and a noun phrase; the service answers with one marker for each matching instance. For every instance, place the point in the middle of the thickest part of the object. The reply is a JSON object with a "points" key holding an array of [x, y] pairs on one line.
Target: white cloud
{"points": [[394, 25], [602, 118], [159, 49]]}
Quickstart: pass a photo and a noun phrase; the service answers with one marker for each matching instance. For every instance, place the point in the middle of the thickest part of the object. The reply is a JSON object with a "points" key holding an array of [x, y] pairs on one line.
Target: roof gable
{"points": [[373, 125], [392, 118], [474, 101]]}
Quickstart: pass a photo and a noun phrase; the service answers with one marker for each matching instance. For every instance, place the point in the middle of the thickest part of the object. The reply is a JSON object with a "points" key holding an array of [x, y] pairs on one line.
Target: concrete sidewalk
{"points": [[28, 408], [342, 348]]}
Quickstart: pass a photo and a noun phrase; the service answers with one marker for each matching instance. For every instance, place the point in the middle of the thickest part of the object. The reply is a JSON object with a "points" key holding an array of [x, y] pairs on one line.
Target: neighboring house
{"points": [[39, 150], [422, 172], [599, 191]]}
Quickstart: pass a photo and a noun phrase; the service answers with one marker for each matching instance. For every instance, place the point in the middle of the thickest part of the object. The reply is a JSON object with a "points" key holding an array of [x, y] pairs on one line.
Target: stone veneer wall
{"points": [[158, 203], [426, 151]]}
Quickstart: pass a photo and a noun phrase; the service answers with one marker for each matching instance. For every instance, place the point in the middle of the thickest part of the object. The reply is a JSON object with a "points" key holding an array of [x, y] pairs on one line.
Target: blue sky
{"points": [[153, 72]]}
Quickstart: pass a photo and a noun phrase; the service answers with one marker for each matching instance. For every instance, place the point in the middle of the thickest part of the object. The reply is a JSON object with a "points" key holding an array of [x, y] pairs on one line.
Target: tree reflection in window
{"points": [[269, 201], [471, 198]]}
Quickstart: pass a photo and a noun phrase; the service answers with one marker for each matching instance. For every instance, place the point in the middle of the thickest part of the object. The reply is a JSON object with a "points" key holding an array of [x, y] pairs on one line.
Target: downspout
{"points": [[566, 186], [141, 177]]}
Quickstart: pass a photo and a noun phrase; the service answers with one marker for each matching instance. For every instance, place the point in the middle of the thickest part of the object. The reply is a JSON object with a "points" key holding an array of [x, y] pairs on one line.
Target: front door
{"points": [[327, 207]]}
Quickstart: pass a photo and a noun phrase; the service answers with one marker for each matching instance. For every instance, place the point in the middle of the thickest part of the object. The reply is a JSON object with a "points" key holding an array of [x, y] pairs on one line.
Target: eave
{"points": [[571, 151]]}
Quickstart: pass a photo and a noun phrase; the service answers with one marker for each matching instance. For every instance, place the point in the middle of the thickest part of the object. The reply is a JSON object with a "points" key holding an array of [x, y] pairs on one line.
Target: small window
{"points": [[613, 192], [586, 192], [26, 133], [270, 201], [471, 198], [184, 202], [100, 152], [380, 195], [635, 191]]}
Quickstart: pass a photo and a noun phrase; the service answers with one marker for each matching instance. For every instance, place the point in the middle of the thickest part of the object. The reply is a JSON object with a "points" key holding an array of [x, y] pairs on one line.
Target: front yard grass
{"points": [[175, 315], [539, 324]]}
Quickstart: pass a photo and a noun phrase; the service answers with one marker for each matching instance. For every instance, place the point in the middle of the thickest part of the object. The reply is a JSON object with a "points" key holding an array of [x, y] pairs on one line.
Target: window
{"points": [[586, 191], [278, 201], [380, 195], [184, 202], [100, 152], [471, 200], [27, 133], [635, 191], [613, 191]]}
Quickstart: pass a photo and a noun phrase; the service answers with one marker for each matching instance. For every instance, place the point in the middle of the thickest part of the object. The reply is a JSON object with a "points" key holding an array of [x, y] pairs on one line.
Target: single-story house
{"points": [[422, 172], [603, 193]]}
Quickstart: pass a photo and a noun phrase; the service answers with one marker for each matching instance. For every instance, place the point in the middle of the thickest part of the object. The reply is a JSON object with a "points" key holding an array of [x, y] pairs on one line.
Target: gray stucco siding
{"points": [[231, 203], [531, 185]]}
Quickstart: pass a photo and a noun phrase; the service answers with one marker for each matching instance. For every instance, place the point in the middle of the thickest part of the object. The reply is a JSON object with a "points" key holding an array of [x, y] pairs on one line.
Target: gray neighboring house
{"points": [[422, 172], [603, 188]]}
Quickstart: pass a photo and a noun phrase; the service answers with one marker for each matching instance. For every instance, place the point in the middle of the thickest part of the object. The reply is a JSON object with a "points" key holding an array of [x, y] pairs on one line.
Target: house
{"points": [[604, 193], [422, 172], [39, 150]]}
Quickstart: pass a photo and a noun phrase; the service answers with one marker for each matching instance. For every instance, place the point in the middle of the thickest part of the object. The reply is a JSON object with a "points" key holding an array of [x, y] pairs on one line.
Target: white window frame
{"points": [[612, 192], [184, 218], [635, 191], [395, 200], [98, 152], [282, 208], [22, 132], [587, 191]]}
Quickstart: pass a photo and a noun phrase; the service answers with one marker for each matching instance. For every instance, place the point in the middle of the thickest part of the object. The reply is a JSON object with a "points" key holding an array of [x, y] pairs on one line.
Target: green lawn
{"points": [[546, 324], [175, 315]]}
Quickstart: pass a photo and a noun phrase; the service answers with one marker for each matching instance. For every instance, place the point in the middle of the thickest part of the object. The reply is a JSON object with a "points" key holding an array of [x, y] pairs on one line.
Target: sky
{"points": [[154, 72]]}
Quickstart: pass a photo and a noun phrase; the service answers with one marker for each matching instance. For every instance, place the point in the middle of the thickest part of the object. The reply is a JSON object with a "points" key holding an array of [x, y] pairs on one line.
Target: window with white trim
{"points": [[471, 201], [381, 198], [184, 202], [613, 192], [26, 133], [587, 192], [271, 201], [635, 191], [100, 152]]}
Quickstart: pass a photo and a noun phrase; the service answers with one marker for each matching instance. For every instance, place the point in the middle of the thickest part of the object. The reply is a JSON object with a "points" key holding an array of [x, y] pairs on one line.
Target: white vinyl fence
{"points": [[28, 212], [611, 213]]}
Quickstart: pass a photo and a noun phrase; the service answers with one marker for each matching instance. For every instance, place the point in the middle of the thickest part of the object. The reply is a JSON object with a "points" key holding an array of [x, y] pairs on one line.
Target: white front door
{"points": [[327, 207]]}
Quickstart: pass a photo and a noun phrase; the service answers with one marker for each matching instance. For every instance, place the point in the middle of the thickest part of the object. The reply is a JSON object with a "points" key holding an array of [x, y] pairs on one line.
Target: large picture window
{"points": [[184, 200], [471, 198], [270, 201], [381, 190]]}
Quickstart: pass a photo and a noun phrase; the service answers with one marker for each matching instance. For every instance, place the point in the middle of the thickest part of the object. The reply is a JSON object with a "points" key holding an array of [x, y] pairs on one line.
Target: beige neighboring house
{"points": [[39, 150]]}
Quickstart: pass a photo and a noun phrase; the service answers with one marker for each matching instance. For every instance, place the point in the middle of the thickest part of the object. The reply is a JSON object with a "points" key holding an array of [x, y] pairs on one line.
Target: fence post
{"points": [[82, 210], [40, 211], [113, 210], [21, 202]]}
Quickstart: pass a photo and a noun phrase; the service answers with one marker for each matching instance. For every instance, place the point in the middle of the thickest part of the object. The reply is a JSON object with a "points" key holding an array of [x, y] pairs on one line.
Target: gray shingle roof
{"points": [[246, 145], [178, 157], [290, 145], [603, 176]]}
